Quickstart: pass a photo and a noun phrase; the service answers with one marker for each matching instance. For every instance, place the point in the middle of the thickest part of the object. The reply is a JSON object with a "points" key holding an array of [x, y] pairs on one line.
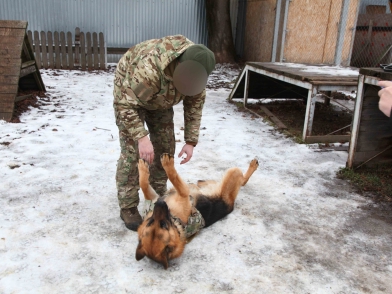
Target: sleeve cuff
{"points": [[191, 143], [140, 135]]}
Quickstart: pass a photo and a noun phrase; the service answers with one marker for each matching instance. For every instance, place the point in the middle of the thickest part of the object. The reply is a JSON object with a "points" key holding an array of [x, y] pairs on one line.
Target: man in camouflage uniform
{"points": [[150, 78]]}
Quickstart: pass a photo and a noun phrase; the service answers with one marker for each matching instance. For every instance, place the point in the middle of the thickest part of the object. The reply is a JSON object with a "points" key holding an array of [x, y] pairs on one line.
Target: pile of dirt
{"points": [[35, 100]]}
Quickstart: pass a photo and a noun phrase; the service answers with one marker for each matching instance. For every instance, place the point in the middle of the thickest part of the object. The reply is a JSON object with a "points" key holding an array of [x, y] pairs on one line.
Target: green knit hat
{"points": [[201, 54]]}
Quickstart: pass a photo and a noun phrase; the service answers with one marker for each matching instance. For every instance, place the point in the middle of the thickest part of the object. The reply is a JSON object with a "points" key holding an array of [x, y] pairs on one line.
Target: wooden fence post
{"points": [[83, 51], [57, 50], [43, 50], [77, 47], [37, 51], [95, 50], [50, 50], [102, 53], [89, 52], [70, 49], [63, 51]]}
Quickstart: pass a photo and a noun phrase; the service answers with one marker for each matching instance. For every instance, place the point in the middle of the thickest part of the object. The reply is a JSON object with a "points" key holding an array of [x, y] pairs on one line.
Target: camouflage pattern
{"points": [[144, 92], [194, 224], [143, 80], [161, 127]]}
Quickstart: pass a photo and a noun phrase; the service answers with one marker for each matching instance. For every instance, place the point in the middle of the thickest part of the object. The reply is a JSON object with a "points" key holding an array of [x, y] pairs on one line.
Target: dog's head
{"points": [[158, 237]]}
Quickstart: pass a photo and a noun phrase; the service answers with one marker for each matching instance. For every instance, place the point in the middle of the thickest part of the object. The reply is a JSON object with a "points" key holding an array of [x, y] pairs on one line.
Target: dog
{"points": [[170, 220]]}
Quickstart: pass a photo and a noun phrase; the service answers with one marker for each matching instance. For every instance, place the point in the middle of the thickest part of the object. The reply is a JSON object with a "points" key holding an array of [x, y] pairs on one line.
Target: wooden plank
{"points": [[7, 79], [30, 37], [77, 47], [57, 50], [113, 50], [28, 70], [89, 52], [63, 48], [11, 39], [44, 51], [102, 53], [297, 74], [27, 63], [83, 51], [12, 32], [271, 116], [9, 89], [95, 51], [13, 24], [37, 49], [69, 50], [7, 102], [7, 106], [51, 63], [10, 50], [28, 48], [9, 61], [327, 139], [6, 116], [10, 70], [20, 98]]}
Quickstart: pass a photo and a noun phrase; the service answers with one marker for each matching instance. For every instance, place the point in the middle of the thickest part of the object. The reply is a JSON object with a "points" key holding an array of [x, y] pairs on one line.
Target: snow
{"points": [[295, 227], [323, 69]]}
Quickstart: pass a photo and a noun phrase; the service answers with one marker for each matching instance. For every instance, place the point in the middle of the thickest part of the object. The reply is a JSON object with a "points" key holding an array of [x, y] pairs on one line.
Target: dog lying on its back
{"points": [[184, 210]]}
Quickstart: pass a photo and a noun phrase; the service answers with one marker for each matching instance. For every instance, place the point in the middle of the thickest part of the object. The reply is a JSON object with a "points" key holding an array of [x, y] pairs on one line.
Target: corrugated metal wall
{"points": [[123, 22]]}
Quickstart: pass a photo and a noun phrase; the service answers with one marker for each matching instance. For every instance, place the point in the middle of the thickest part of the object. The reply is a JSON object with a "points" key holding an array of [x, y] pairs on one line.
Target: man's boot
{"points": [[131, 218]]}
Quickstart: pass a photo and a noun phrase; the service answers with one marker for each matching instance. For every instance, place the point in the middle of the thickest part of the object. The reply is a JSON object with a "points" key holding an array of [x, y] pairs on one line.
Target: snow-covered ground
{"points": [[295, 227]]}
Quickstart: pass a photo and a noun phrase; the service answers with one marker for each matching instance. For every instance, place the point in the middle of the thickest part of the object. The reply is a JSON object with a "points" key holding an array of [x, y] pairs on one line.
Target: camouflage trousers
{"points": [[161, 127]]}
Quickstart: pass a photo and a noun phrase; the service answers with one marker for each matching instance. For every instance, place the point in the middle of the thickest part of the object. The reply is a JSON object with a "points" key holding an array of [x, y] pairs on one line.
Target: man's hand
{"points": [[188, 150], [385, 103], [146, 150]]}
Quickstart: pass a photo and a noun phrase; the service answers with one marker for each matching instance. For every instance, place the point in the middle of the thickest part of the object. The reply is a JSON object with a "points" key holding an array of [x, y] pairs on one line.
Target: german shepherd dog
{"points": [[162, 234]]}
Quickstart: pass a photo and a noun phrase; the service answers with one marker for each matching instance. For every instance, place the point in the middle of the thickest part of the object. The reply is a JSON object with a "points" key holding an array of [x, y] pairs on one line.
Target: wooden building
{"points": [[300, 31], [18, 69]]}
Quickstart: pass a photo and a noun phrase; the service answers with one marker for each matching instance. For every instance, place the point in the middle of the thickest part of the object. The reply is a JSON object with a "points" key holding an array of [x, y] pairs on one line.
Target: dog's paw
{"points": [[254, 164], [143, 166], [167, 159]]}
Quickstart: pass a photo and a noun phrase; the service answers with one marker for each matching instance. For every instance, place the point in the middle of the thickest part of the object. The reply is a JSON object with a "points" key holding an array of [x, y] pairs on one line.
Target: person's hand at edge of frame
{"points": [[188, 150], [146, 150], [385, 94]]}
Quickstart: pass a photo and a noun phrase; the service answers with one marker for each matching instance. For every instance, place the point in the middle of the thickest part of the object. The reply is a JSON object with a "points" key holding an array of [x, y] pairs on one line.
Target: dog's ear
{"points": [[139, 252]]}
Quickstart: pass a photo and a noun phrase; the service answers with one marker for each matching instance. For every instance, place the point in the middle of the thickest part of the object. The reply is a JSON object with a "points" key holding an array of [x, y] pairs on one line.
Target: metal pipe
{"points": [[286, 12], [342, 32], [276, 30]]}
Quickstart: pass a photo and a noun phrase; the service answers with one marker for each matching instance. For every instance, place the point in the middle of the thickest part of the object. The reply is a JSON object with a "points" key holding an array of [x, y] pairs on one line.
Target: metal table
{"points": [[279, 80]]}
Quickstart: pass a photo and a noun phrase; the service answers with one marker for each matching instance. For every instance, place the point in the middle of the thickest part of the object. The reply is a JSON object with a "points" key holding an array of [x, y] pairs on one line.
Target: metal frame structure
{"points": [[313, 89]]}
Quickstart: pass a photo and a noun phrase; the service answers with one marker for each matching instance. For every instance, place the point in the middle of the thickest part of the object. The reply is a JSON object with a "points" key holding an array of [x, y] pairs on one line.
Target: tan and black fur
{"points": [[159, 237]]}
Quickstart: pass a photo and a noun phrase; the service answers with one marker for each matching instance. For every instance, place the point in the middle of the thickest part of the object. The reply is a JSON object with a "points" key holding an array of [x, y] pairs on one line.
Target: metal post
{"points": [[353, 31], [286, 13], [341, 32], [276, 30]]}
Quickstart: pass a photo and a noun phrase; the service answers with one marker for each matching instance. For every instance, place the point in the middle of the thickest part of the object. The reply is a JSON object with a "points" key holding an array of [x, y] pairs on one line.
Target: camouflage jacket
{"points": [[144, 81]]}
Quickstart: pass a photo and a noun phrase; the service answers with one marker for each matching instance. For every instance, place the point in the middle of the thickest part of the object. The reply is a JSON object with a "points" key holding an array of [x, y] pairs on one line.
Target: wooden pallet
{"points": [[18, 69]]}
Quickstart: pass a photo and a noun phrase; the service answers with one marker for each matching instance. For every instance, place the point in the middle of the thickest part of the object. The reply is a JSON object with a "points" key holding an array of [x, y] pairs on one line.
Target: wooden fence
{"points": [[62, 51]]}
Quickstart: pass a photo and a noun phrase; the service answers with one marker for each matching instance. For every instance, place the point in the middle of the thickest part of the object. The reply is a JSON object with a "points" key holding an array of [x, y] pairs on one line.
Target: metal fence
{"points": [[373, 34], [124, 23]]}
